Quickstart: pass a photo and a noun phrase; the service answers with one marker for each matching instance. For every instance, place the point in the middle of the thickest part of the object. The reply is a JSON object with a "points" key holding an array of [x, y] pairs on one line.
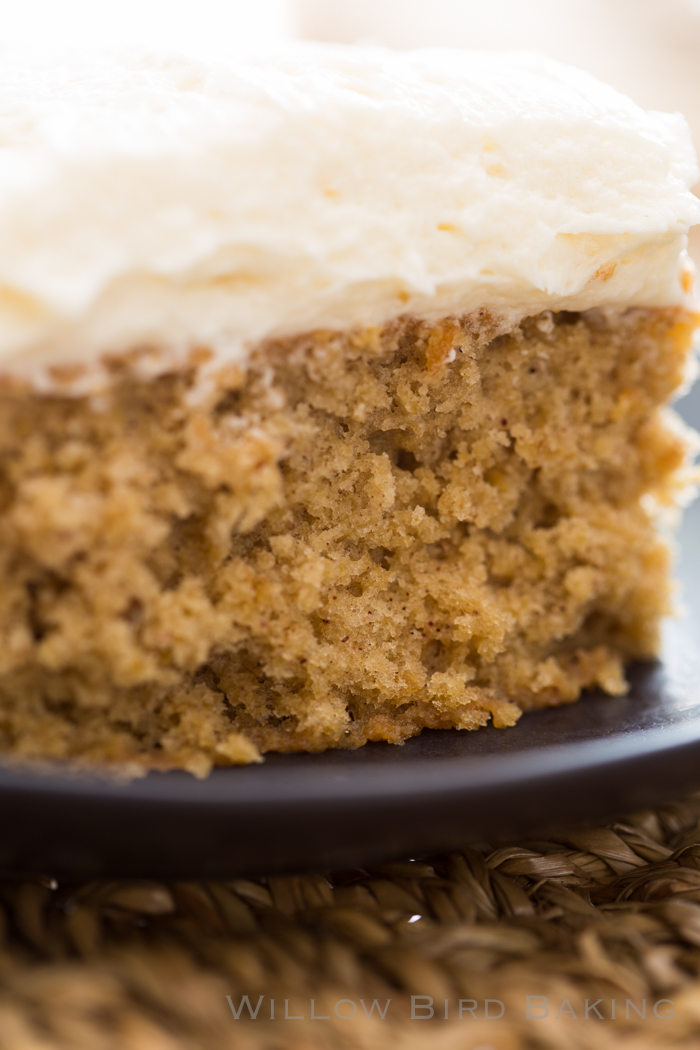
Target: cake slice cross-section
{"points": [[333, 390]]}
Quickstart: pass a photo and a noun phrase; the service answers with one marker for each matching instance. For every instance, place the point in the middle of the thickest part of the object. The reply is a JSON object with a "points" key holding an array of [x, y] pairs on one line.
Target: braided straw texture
{"points": [[602, 913]]}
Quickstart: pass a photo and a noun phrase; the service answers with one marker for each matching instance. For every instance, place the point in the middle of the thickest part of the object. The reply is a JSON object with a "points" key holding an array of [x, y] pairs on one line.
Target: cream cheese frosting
{"points": [[166, 202]]}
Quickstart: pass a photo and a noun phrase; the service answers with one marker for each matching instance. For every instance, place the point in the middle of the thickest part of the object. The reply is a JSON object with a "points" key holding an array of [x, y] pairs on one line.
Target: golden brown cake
{"points": [[332, 400]]}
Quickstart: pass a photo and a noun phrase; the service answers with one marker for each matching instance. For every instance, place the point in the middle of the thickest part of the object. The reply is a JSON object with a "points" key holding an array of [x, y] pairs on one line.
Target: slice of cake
{"points": [[331, 399]]}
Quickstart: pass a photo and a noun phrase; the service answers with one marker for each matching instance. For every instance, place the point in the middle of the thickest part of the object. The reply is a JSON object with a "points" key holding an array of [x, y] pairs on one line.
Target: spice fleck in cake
{"points": [[332, 397]]}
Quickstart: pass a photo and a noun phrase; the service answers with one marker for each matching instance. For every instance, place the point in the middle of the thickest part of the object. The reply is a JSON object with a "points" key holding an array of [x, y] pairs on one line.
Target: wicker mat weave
{"points": [[555, 930]]}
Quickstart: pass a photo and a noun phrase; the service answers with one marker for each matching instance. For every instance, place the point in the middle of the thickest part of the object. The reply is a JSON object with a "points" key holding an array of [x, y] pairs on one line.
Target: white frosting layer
{"points": [[162, 201]]}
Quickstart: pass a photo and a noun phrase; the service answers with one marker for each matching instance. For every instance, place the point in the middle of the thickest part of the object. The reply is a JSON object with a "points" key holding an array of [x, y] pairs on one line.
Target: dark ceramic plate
{"points": [[598, 758]]}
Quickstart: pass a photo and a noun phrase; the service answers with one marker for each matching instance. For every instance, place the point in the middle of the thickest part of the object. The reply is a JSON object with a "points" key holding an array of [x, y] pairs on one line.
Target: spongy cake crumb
{"points": [[363, 534]]}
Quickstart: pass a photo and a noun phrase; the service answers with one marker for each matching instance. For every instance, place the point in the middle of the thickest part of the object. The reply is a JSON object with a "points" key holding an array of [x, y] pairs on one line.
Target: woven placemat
{"points": [[531, 943]]}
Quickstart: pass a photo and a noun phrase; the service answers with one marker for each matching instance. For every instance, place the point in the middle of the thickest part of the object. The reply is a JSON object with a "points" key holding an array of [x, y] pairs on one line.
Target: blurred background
{"points": [[646, 48]]}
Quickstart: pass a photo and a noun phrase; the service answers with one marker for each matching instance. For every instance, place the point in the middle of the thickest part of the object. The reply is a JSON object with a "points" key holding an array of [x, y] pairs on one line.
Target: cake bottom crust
{"points": [[360, 535]]}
